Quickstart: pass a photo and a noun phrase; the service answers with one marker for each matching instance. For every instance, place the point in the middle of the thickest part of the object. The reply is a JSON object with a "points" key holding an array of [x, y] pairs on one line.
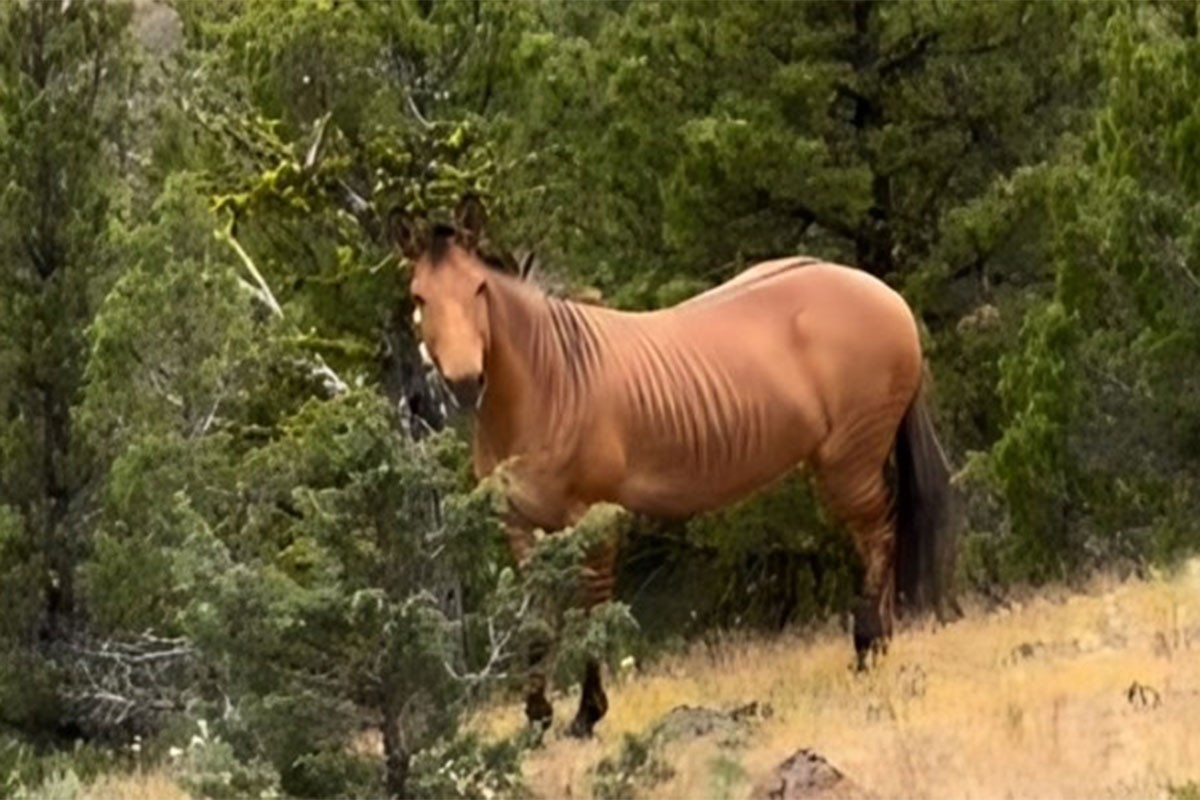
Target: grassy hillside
{"points": [[1030, 701]]}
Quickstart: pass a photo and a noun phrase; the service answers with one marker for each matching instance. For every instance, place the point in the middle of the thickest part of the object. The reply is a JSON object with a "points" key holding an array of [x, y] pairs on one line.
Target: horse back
{"points": [[750, 276]]}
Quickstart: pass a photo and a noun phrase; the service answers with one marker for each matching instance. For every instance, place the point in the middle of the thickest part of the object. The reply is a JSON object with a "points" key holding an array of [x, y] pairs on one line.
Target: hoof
{"points": [[593, 703], [581, 728], [868, 650], [531, 737], [870, 636], [538, 711]]}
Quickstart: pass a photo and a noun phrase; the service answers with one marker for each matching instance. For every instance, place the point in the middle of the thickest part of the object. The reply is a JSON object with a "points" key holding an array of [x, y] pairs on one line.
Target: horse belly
{"points": [[667, 498], [669, 481]]}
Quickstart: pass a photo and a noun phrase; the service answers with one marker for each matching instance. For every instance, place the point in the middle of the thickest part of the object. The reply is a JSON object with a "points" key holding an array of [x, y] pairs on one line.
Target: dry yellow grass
{"points": [[134, 786], [1026, 703]]}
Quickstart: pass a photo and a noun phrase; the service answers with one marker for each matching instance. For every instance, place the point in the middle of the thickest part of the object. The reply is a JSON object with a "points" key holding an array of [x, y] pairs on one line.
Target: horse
{"points": [[795, 363]]}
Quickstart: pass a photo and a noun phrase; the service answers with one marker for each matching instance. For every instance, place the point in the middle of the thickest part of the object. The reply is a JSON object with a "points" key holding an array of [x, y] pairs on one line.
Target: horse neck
{"points": [[533, 391]]}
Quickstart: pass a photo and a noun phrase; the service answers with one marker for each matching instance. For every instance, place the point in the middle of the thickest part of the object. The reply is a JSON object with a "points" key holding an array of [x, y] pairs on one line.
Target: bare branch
{"points": [[333, 384], [208, 420], [156, 382], [259, 288], [358, 205], [263, 291], [126, 684], [498, 649], [314, 150], [416, 112], [1178, 258]]}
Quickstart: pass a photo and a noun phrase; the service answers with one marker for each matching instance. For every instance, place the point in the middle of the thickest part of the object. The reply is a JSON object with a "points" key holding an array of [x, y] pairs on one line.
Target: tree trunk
{"points": [[396, 756], [874, 242]]}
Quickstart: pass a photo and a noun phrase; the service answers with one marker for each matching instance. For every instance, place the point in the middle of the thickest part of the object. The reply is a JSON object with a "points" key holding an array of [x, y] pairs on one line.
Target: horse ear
{"points": [[469, 220], [406, 233]]}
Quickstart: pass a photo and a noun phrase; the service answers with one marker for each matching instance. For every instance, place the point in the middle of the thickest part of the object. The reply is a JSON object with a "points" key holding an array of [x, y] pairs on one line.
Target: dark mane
{"points": [[439, 242]]}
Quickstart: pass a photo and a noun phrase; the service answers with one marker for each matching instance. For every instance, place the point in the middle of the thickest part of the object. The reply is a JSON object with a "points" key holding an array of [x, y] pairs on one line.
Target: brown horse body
{"points": [[673, 412], [683, 410]]}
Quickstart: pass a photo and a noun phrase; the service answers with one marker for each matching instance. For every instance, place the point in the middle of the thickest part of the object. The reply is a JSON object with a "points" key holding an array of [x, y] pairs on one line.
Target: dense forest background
{"points": [[236, 529]]}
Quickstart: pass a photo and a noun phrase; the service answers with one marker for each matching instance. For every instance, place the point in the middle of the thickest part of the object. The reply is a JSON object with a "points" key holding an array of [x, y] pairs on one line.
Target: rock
{"points": [[729, 727], [806, 775], [157, 27], [688, 722]]}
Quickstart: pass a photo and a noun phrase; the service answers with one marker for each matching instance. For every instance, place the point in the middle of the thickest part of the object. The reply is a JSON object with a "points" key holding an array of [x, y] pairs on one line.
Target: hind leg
{"points": [[874, 613], [858, 496]]}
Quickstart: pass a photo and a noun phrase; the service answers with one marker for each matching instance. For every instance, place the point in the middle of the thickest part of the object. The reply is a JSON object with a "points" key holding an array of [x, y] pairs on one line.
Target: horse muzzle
{"points": [[467, 393]]}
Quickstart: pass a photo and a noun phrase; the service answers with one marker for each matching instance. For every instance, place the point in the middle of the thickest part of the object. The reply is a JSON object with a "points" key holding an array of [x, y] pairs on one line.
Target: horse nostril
{"points": [[466, 391]]}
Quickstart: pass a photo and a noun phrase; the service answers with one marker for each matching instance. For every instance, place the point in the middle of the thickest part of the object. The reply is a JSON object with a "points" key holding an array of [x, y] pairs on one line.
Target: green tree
{"points": [[1109, 472], [335, 605], [711, 134], [64, 80], [254, 398]]}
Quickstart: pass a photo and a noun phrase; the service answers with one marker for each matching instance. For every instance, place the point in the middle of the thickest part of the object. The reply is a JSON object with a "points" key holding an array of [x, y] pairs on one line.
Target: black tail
{"points": [[926, 517]]}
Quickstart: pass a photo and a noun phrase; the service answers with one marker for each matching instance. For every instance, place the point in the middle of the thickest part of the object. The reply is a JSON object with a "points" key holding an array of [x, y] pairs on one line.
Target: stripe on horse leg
{"points": [[520, 542], [852, 484], [859, 498], [599, 578]]}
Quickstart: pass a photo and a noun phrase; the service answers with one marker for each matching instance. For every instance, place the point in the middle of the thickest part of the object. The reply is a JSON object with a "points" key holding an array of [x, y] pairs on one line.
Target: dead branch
{"points": [[262, 291], [126, 685], [498, 649]]}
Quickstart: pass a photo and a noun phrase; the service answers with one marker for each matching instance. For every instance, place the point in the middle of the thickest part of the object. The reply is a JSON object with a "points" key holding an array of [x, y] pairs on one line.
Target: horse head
{"points": [[449, 287]]}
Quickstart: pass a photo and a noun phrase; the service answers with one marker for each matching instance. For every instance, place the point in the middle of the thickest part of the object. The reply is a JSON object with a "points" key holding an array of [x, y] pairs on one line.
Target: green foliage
{"points": [[1041, 390], [331, 596], [172, 366], [726, 774], [635, 768], [1184, 791], [64, 784], [784, 560], [169, 341], [550, 586], [26, 772], [209, 768], [769, 561], [214, 426], [20, 584], [1098, 455], [64, 82], [710, 134], [465, 768]]}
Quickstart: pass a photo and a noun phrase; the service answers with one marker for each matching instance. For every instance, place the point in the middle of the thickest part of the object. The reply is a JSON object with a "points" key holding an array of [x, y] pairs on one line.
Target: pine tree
{"points": [[64, 80]]}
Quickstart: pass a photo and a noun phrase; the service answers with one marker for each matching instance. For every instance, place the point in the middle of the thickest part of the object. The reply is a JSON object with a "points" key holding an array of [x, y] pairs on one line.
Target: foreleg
{"points": [[599, 579], [538, 710]]}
